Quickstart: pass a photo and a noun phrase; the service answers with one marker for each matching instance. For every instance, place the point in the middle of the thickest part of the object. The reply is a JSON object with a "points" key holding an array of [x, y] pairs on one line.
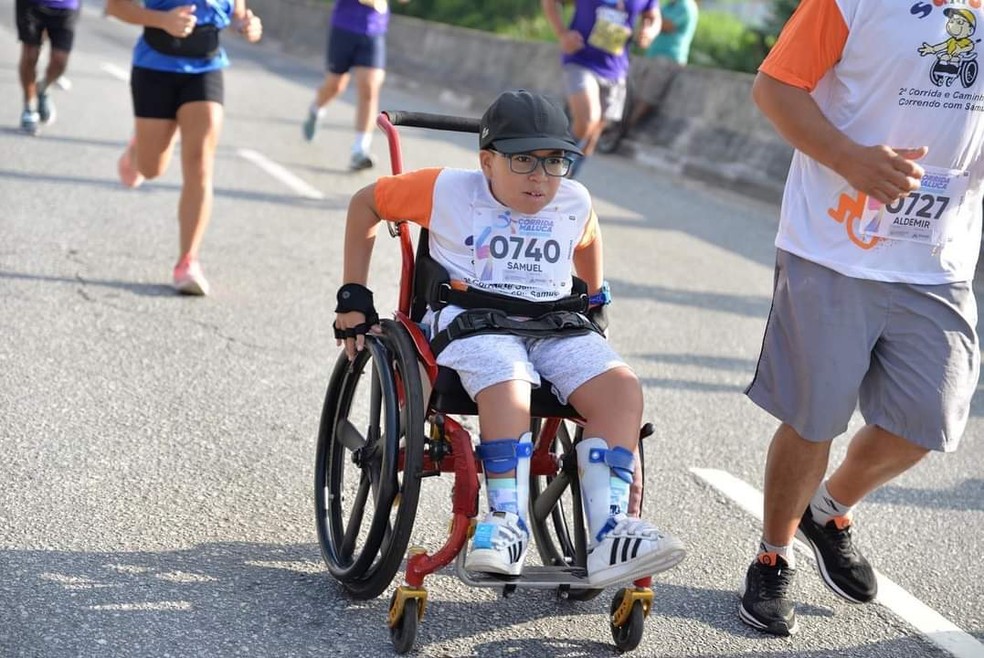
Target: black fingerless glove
{"points": [[599, 316], [355, 297]]}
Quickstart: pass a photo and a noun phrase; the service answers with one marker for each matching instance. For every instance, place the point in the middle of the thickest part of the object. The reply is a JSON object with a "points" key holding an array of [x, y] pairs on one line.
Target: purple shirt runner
{"points": [[361, 16], [606, 26], [58, 4]]}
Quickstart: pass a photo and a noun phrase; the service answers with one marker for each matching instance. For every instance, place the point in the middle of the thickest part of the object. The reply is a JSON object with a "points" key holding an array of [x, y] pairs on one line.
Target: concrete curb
{"points": [[706, 127]]}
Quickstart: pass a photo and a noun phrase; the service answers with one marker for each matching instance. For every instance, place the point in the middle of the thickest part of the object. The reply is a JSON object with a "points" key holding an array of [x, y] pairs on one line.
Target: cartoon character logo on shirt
{"points": [[956, 58]]}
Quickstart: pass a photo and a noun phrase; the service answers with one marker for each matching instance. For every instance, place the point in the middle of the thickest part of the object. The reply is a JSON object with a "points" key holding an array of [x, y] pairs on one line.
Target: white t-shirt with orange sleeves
{"points": [[485, 244], [878, 71]]}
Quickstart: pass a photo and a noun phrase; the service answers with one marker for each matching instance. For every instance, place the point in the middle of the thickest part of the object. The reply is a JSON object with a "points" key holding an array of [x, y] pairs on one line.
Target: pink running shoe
{"points": [[189, 278], [129, 175]]}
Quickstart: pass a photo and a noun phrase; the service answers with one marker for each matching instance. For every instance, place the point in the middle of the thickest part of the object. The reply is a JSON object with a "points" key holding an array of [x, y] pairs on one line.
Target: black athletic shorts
{"points": [[348, 49], [33, 20], [159, 94]]}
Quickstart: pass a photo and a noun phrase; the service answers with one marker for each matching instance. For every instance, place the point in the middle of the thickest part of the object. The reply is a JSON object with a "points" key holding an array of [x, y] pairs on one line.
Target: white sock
{"points": [[317, 111], [824, 507], [362, 143], [786, 552]]}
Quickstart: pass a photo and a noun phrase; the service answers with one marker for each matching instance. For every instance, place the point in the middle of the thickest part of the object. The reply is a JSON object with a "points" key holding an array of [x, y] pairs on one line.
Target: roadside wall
{"points": [[706, 126]]}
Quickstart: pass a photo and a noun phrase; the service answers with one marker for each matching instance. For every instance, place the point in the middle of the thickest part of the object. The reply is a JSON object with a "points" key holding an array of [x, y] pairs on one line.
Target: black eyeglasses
{"points": [[525, 163]]}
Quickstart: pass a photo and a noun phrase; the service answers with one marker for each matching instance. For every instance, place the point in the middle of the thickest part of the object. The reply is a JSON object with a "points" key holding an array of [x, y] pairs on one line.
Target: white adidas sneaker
{"points": [[631, 550], [499, 545]]}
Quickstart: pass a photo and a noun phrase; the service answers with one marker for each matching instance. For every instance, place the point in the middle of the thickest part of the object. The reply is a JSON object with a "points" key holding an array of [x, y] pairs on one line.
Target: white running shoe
{"points": [[632, 549], [499, 545]]}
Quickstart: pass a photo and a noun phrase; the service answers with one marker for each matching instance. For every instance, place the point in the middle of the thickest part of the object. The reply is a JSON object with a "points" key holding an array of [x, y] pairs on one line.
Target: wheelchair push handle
{"points": [[432, 121]]}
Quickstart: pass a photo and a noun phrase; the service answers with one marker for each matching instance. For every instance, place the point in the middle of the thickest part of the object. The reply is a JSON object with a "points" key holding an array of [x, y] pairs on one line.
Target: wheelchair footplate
{"points": [[534, 577]]}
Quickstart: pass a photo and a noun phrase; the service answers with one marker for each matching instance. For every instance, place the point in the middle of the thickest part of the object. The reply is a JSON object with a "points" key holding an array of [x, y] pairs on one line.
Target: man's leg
{"points": [[333, 85], [28, 69], [794, 469], [57, 64], [874, 457], [30, 121], [368, 83]]}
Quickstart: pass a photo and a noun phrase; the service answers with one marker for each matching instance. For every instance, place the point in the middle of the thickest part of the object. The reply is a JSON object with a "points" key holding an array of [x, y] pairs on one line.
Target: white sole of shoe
{"points": [[647, 565], [483, 561]]}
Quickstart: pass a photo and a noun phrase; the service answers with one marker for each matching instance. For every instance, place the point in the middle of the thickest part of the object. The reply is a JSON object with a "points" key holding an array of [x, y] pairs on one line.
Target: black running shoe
{"points": [[765, 603], [842, 567]]}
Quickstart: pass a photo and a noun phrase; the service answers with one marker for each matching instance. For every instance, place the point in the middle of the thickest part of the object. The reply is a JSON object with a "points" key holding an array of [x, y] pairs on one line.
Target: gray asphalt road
{"points": [[157, 463]]}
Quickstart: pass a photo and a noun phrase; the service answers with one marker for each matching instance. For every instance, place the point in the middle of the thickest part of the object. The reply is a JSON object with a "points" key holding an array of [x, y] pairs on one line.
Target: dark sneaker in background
{"points": [[360, 161], [310, 126], [46, 108], [841, 565], [765, 603]]}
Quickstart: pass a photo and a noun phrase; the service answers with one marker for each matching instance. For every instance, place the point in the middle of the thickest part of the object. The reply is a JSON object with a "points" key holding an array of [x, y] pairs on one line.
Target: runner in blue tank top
{"points": [[177, 84]]}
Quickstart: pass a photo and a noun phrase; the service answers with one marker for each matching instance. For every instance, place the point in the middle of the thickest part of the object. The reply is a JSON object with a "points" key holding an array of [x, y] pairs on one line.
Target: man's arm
{"points": [[882, 172], [571, 41]]}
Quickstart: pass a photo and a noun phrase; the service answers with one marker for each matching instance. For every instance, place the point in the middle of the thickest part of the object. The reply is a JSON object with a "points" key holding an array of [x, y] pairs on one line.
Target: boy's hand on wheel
{"points": [[344, 323]]}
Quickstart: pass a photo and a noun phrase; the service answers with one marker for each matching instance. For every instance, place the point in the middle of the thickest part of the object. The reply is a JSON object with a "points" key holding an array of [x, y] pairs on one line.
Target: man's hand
{"points": [[883, 173], [179, 22]]}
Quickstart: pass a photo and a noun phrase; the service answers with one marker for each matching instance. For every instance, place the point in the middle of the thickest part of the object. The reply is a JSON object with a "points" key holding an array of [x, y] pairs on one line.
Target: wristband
{"points": [[602, 297]]}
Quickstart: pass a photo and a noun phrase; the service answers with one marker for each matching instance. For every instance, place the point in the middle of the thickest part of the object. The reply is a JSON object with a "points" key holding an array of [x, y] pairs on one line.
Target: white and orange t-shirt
{"points": [[881, 73], [485, 244]]}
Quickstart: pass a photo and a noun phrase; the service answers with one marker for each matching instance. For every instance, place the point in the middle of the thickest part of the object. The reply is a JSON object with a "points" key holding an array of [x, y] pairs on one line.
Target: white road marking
{"points": [[280, 173], [934, 626], [117, 72]]}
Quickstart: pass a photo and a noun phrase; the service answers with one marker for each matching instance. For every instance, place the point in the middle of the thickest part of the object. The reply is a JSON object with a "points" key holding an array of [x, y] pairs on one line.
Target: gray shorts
{"points": [[487, 359], [908, 353], [611, 93]]}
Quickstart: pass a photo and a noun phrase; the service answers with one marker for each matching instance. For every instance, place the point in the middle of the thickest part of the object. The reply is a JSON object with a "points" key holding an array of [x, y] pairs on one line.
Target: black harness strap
{"points": [[443, 294], [493, 321]]}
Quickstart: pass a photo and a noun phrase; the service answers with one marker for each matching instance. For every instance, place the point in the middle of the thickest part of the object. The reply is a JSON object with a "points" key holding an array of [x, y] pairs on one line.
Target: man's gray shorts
{"points": [[909, 353], [611, 93]]}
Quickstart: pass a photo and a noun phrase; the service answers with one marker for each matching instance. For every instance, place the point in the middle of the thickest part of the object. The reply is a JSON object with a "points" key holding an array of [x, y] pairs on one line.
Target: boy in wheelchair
{"points": [[509, 236]]}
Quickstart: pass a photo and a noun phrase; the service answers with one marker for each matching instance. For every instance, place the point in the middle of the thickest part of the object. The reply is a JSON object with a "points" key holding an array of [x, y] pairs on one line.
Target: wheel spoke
{"points": [[349, 435], [355, 521]]}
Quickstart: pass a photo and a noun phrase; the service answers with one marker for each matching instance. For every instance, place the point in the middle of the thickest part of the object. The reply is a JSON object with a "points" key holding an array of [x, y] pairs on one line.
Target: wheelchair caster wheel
{"points": [[627, 618], [404, 620]]}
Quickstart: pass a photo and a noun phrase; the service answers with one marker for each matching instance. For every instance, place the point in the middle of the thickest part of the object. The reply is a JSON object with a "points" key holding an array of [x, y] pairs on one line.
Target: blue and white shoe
{"points": [[499, 545]]}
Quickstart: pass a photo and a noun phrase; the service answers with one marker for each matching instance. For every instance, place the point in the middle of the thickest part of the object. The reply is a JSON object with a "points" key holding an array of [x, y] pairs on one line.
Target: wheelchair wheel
{"points": [[560, 535], [368, 462], [404, 634], [627, 636]]}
